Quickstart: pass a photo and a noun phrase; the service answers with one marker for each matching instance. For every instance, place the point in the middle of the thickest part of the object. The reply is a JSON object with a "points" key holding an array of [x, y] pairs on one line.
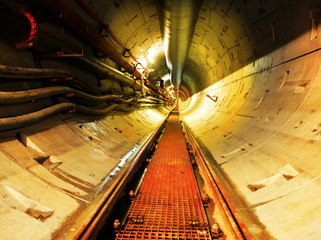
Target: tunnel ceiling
{"points": [[223, 41], [250, 94]]}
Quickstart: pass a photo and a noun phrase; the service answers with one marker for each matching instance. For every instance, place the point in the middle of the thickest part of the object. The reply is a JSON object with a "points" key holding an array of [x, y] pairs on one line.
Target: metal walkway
{"points": [[168, 204]]}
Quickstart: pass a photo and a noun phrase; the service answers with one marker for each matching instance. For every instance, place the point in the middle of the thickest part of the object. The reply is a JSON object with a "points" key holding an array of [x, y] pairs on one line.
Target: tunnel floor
{"points": [[168, 204]]}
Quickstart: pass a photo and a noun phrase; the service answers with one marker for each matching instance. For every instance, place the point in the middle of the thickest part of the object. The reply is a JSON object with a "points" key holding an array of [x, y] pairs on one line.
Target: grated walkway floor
{"points": [[168, 204]]}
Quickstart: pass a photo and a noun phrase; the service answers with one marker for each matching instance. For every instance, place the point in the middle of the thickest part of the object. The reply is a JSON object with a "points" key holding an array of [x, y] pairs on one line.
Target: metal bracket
{"points": [[214, 97], [60, 55]]}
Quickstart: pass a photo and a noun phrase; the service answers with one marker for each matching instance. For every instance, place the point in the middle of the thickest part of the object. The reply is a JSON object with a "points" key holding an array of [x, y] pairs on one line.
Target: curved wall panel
{"points": [[260, 59]]}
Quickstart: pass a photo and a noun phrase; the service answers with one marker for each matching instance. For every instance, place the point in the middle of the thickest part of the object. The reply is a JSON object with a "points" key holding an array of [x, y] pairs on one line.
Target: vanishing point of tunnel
{"points": [[160, 119]]}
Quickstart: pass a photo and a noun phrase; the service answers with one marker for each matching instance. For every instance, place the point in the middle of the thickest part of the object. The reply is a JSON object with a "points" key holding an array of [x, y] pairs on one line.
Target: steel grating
{"points": [[168, 204]]}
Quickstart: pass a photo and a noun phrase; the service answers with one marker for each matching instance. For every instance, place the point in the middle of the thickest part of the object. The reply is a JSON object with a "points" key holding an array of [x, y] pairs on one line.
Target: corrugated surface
{"points": [[168, 205]]}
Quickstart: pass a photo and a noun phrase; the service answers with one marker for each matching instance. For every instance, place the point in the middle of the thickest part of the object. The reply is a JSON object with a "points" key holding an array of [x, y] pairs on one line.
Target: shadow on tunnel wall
{"points": [[248, 33]]}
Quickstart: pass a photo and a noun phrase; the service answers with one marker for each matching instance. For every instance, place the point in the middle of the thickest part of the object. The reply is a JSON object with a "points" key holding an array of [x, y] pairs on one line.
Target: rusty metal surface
{"points": [[73, 21], [230, 220], [90, 225], [168, 204], [15, 26]]}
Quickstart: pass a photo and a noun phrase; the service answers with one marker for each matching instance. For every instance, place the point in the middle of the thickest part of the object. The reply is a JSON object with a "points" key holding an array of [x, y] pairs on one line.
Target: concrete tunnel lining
{"points": [[262, 61]]}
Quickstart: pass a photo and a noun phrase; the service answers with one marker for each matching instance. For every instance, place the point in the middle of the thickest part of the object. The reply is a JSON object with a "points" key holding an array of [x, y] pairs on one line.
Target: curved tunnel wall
{"points": [[55, 173], [260, 58], [263, 130]]}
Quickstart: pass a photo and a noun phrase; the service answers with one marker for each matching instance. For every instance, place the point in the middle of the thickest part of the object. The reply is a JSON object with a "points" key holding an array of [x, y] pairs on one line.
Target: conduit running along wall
{"points": [[177, 22]]}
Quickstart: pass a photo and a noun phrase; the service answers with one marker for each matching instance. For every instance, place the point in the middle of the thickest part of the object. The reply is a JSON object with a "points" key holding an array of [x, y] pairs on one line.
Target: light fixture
{"points": [[214, 97]]}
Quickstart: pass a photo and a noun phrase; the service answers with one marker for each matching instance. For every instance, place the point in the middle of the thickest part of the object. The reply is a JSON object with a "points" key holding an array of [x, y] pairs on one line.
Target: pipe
{"points": [[10, 22], [47, 42], [82, 29], [11, 123], [177, 20], [106, 27], [103, 69], [148, 101], [36, 73], [39, 37], [93, 89], [30, 73], [74, 22], [33, 94], [98, 105], [93, 64]]}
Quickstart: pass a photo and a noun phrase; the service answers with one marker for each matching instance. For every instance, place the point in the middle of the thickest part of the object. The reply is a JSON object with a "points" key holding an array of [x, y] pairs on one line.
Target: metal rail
{"points": [[230, 221], [92, 223], [168, 204]]}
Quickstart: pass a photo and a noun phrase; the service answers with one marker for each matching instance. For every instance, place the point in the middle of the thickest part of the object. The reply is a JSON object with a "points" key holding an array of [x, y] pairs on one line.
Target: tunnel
{"points": [[87, 87]]}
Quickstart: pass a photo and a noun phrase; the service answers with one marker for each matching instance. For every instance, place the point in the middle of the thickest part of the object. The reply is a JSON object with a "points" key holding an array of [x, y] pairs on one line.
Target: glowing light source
{"points": [[166, 77], [143, 62], [151, 60], [151, 51]]}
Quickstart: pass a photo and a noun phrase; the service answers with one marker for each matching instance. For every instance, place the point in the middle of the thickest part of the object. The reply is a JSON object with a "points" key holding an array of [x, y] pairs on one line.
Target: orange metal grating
{"points": [[168, 205]]}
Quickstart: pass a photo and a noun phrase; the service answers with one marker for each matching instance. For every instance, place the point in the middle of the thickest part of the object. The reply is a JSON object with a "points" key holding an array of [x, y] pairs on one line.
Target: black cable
{"points": [[30, 73], [34, 94], [11, 123]]}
